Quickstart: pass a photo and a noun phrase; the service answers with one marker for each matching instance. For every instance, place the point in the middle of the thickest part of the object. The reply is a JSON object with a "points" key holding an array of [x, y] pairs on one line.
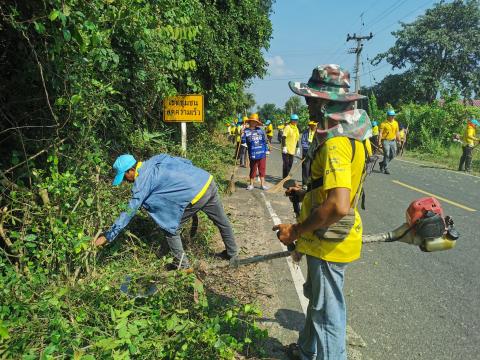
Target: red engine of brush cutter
{"points": [[420, 207]]}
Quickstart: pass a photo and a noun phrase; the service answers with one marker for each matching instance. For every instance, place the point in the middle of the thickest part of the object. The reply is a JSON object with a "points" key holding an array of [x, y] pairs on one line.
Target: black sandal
{"points": [[293, 351]]}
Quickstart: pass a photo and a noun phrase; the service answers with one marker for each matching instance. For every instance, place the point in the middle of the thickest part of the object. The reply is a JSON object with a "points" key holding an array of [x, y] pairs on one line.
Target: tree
{"points": [[441, 49], [267, 111], [293, 105]]}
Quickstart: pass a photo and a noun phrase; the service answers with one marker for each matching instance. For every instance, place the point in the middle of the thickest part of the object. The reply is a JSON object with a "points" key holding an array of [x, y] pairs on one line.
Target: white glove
{"points": [[244, 145], [268, 152], [297, 152], [284, 150]]}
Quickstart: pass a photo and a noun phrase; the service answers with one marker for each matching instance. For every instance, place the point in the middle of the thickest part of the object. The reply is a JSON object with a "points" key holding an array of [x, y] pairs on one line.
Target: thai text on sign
{"points": [[183, 108]]}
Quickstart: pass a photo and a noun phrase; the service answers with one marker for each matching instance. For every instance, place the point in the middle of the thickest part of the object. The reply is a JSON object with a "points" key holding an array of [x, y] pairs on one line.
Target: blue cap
{"points": [[121, 165], [391, 113], [374, 123], [475, 122], [294, 117], [268, 122]]}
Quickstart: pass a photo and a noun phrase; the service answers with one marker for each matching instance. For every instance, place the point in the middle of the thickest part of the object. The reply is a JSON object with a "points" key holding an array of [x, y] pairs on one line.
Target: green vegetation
{"points": [[441, 52], [82, 82]]}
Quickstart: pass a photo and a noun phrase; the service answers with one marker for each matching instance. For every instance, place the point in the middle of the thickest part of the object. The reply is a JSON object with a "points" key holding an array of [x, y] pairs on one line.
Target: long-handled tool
{"points": [[426, 227], [279, 187], [231, 184]]}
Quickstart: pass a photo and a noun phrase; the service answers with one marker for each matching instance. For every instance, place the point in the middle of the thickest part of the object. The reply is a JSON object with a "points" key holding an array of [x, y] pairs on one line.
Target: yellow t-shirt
{"points": [[388, 130], [238, 132], [333, 162], [292, 135], [375, 130], [470, 135], [281, 127], [269, 130]]}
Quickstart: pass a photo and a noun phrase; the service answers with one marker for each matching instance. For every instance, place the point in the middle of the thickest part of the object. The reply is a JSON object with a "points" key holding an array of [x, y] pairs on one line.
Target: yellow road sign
{"points": [[183, 108]]}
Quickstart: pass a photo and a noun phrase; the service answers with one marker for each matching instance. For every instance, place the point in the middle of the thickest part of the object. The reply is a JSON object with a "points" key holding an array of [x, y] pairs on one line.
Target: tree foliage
{"points": [[440, 49]]}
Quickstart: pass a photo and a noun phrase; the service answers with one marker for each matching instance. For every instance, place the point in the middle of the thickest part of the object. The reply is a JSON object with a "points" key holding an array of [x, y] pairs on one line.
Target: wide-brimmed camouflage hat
{"points": [[329, 82]]}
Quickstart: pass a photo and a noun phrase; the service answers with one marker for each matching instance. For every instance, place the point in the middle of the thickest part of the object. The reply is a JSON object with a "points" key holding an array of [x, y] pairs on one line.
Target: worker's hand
{"points": [[297, 152], [294, 190], [268, 152], [100, 241], [286, 233], [284, 150]]}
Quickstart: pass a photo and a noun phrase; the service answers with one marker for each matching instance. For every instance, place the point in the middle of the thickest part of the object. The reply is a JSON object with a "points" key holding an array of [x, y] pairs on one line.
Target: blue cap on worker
{"points": [[391, 112], [268, 122], [294, 117], [475, 122], [374, 123], [123, 163]]}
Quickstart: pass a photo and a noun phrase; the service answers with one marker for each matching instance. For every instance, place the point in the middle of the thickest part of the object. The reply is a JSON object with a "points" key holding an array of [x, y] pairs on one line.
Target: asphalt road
{"points": [[404, 303]]}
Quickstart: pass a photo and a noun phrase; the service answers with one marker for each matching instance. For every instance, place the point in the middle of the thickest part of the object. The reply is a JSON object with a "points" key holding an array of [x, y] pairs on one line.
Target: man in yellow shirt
{"points": [[374, 138], [337, 156], [269, 130], [469, 139], [290, 138], [388, 137], [280, 132]]}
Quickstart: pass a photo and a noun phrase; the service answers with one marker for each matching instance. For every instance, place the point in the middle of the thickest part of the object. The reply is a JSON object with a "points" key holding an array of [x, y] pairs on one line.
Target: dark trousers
{"points": [[287, 164], [305, 168], [211, 204], [466, 159]]}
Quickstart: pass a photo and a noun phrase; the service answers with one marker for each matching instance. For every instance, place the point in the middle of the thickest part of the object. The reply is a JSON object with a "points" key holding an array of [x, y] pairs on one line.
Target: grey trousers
{"points": [[211, 205], [389, 152]]}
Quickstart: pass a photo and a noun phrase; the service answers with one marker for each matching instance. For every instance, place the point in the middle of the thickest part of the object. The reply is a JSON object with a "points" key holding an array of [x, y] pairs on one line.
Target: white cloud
{"points": [[277, 67]]}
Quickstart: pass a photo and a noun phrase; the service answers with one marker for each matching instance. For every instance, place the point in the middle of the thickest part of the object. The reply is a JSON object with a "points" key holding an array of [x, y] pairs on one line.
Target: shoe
{"points": [[265, 187], [224, 255], [250, 187], [184, 269], [381, 167], [386, 172], [293, 351]]}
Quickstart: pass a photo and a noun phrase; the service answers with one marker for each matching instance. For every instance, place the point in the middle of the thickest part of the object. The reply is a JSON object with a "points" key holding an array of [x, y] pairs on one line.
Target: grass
{"points": [[448, 158]]}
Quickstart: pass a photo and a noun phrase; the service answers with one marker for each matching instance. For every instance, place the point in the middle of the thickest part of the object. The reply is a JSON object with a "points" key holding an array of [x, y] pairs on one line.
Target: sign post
{"points": [[183, 109]]}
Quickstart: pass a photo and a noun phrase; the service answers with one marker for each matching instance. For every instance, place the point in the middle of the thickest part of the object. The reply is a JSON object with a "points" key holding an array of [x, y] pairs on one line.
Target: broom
{"points": [[231, 184], [279, 187]]}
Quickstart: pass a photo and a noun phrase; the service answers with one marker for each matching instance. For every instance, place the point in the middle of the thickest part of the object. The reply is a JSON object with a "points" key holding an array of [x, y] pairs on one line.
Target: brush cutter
{"points": [[425, 227]]}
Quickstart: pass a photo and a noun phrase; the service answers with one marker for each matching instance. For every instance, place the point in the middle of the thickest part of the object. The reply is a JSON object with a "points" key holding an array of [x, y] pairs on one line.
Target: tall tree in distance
{"points": [[441, 48], [293, 105], [267, 111]]}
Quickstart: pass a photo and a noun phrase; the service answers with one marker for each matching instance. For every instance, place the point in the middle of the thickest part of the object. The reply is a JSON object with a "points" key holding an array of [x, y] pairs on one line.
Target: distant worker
{"points": [[232, 132], [374, 139], [307, 138], [269, 130], [171, 190], [403, 139], [469, 140], [280, 128], [240, 151], [290, 139], [258, 149], [388, 137]]}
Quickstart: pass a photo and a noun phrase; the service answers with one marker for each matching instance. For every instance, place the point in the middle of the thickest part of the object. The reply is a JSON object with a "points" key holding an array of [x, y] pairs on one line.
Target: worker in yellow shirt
{"points": [[388, 137], [232, 132], [374, 139], [337, 156], [269, 130], [469, 140], [290, 138], [280, 132], [240, 150]]}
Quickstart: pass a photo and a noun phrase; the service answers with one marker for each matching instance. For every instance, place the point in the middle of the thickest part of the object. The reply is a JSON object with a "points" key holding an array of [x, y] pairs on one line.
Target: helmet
{"points": [[268, 122], [391, 112], [311, 122], [294, 117], [374, 123], [245, 118], [475, 122]]}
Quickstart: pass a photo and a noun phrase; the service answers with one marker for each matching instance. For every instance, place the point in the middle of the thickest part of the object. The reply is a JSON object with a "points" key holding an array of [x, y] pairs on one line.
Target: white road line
{"points": [[440, 168], [297, 276]]}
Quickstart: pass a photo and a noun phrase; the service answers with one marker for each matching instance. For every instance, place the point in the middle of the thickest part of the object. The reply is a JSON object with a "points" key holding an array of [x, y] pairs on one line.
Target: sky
{"points": [[307, 33]]}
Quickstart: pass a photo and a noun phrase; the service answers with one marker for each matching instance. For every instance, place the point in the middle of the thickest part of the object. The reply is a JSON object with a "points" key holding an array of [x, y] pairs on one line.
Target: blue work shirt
{"points": [[256, 141], [165, 185]]}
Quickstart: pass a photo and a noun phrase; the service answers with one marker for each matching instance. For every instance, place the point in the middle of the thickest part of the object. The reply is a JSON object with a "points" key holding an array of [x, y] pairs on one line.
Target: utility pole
{"points": [[357, 51]]}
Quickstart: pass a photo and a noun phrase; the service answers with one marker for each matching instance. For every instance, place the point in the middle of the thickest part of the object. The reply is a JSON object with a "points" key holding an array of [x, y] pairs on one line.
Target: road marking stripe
{"points": [[439, 167], [297, 276], [436, 196]]}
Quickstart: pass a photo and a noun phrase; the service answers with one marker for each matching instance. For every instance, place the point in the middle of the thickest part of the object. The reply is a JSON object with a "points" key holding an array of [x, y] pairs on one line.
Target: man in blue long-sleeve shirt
{"points": [[171, 190]]}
